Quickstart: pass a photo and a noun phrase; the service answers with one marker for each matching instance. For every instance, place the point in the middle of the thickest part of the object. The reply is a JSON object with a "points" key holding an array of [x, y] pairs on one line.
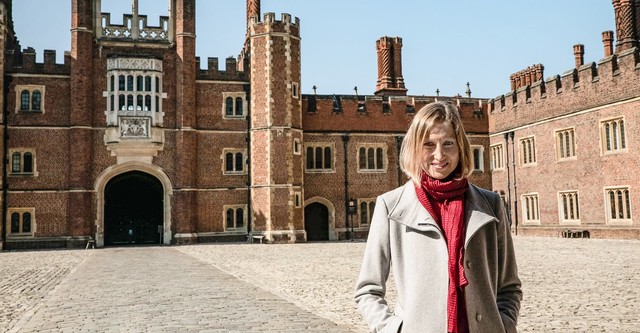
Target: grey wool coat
{"points": [[405, 239]]}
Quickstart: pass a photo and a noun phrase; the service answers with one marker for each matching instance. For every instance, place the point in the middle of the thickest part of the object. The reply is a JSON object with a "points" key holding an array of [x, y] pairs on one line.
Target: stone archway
{"points": [[150, 174], [133, 209], [313, 211]]}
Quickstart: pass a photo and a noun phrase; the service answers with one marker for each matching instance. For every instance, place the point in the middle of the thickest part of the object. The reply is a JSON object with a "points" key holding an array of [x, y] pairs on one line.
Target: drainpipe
{"points": [[5, 158], [506, 139], [515, 184], [248, 139], [399, 146], [345, 141]]}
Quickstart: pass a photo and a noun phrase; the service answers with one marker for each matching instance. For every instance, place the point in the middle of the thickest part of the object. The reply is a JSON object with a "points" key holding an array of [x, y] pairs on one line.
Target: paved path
{"points": [[160, 289], [570, 285]]}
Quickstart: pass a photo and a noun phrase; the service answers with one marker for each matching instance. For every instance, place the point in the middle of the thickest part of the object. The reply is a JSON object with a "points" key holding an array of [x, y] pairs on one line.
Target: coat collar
{"points": [[409, 211]]}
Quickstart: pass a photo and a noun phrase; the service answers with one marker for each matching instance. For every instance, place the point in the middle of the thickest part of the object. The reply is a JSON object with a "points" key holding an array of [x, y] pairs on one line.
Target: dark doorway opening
{"points": [[316, 222], [133, 210]]}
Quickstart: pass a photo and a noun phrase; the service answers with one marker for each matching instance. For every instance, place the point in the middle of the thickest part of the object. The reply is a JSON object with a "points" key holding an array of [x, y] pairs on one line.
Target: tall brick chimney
{"points": [[607, 41], [390, 80], [626, 24], [578, 54], [253, 9]]}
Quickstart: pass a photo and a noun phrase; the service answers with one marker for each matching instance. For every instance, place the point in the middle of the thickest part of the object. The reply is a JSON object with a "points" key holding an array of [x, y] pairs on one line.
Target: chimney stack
{"points": [[578, 54], [390, 80], [607, 40]]}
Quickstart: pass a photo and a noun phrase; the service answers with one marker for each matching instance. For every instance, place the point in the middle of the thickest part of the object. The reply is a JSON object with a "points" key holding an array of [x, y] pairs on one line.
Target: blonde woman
{"points": [[446, 241]]}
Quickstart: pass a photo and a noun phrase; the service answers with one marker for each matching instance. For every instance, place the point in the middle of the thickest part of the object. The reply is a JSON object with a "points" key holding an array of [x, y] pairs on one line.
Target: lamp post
{"points": [[351, 210]]}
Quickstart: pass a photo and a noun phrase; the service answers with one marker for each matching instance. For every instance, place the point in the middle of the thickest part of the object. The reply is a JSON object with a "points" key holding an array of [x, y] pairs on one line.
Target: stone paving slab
{"points": [[570, 285], [160, 289]]}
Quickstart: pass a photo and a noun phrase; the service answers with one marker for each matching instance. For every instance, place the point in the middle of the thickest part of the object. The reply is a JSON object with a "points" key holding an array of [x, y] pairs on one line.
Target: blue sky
{"points": [[446, 43]]}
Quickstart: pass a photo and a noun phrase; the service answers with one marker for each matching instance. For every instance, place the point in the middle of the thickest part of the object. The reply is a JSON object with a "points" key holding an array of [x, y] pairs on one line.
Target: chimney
{"points": [[607, 40], [625, 24], [578, 54], [253, 9], [390, 81]]}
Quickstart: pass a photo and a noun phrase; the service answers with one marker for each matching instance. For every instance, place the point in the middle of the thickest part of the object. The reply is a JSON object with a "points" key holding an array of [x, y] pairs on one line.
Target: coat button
{"points": [[478, 317]]}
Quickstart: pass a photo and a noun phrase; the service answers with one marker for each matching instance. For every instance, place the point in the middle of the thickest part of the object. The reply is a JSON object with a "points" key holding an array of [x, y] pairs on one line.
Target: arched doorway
{"points": [[133, 209], [316, 222]]}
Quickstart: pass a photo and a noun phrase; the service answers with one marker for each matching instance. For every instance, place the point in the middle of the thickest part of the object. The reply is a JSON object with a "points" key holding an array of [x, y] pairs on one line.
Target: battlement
{"points": [[270, 24], [212, 71], [347, 113], [25, 62], [133, 27], [613, 78]]}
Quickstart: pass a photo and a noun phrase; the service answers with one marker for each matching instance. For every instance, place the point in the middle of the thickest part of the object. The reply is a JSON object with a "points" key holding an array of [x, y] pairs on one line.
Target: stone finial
{"points": [[468, 92]]}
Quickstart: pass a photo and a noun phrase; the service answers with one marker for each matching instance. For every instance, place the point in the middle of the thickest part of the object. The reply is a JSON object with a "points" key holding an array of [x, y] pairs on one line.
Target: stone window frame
{"points": [[235, 95], [234, 208], [22, 152], [617, 202], [323, 146], [297, 199], [140, 87], [527, 151], [480, 159], [234, 152], [297, 146], [565, 151], [530, 208], [497, 156], [569, 207], [295, 90], [370, 204], [377, 147], [31, 89], [21, 211], [613, 128]]}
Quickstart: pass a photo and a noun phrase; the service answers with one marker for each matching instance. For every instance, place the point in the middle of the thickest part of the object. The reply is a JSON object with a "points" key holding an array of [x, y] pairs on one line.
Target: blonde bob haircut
{"points": [[412, 144]]}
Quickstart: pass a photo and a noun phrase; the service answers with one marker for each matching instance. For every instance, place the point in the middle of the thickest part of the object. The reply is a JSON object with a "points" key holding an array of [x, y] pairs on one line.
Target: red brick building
{"points": [[131, 141], [564, 151]]}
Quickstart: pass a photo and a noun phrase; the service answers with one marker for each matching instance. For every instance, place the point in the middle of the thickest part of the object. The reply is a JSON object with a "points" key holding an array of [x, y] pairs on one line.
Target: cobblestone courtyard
{"points": [[570, 285]]}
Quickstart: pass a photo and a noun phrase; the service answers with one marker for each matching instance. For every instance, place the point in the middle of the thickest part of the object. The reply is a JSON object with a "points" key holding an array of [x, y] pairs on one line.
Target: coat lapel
{"points": [[409, 211]]}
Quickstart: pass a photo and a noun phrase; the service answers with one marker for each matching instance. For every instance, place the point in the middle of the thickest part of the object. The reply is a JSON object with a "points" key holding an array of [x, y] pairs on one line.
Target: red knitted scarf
{"points": [[444, 201]]}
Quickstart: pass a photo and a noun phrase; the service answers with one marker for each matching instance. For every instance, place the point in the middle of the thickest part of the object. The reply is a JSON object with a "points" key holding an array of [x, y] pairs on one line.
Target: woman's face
{"points": [[440, 153]]}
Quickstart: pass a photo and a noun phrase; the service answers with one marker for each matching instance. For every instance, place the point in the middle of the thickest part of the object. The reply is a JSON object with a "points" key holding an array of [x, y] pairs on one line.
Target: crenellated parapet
{"points": [[25, 62], [269, 24], [527, 76], [353, 113], [613, 78], [212, 71]]}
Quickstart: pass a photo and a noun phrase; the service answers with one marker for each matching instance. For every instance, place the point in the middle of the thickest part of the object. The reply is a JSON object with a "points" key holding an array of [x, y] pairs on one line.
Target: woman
{"points": [[447, 242]]}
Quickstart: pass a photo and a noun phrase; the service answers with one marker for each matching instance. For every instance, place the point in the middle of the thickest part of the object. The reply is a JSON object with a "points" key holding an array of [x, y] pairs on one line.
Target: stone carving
{"points": [[134, 127], [134, 64]]}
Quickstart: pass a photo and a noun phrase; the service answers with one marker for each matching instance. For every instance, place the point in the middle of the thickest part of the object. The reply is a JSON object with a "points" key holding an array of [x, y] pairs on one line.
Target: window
{"points": [[22, 162], [478, 158], [497, 157], [296, 147], [613, 135], [565, 144], [365, 210], [530, 211], [297, 197], [372, 158], [527, 151], [569, 209], [235, 217], [618, 205], [294, 90], [29, 98], [234, 161], [319, 157], [234, 105], [138, 90], [20, 222]]}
